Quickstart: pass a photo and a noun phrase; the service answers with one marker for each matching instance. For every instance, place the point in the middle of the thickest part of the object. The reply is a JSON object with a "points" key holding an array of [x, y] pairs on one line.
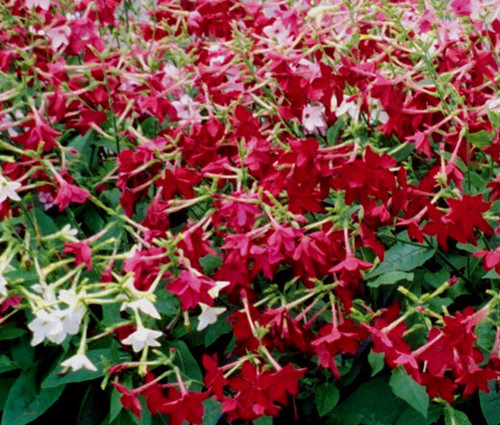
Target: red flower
{"points": [[191, 288], [182, 407], [69, 193], [491, 259], [129, 399], [81, 251]]}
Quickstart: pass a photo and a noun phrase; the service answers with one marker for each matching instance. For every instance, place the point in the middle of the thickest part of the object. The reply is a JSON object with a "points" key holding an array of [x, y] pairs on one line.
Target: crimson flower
{"points": [[182, 407], [129, 399], [81, 251], [69, 193], [191, 288]]}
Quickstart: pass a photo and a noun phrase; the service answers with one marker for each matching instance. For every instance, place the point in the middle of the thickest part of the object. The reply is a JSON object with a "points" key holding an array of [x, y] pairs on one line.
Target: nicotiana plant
{"points": [[230, 212]]}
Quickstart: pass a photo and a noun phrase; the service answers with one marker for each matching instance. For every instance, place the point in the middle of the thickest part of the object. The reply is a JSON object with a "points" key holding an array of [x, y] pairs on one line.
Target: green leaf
{"points": [[10, 332], [219, 328], [490, 405], [480, 139], [187, 362], [210, 264], [494, 118], [7, 365], [377, 362], [5, 386], [263, 420], [390, 278], [402, 257], [410, 418], [332, 133], [438, 278], [455, 417], [370, 404], [326, 397], [24, 402], [410, 391], [212, 411]]}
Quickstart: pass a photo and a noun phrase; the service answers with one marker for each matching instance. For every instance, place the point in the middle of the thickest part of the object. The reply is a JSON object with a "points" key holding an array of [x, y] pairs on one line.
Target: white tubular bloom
{"points": [[8, 189], [47, 325], [142, 338], [208, 315], [79, 361], [144, 305]]}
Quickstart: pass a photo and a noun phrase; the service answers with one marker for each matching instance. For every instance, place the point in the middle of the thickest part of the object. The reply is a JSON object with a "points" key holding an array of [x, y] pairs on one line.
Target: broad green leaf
{"points": [[438, 278], [377, 362], [25, 402], [210, 264], [332, 133], [7, 365], [455, 417], [490, 405], [187, 362], [402, 257], [480, 139], [219, 328], [263, 420], [390, 278], [5, 386], [10, 332], [410, 417], [212, 410], [492, 274], [410, 391], [326, 397], [494, 118], [370, 403]]}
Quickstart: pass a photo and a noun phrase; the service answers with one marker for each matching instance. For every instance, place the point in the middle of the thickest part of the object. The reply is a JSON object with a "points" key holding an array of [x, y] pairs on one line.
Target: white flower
{"points": [[208, 315], [3, 286], [144, 305], [350, 108], [71, 317], [219, 284], [47, 325], [142, 338], [79, 361], [8, 189], [313, 119]]}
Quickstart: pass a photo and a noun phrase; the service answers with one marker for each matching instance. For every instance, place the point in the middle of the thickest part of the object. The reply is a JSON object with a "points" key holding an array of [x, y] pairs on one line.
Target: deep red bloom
{"points": [[129, 399], [191, 288], [182, 407]]}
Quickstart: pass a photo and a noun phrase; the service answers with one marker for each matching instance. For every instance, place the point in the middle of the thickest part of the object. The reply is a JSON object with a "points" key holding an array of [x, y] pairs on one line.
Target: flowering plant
{"points": [[224, 211]]}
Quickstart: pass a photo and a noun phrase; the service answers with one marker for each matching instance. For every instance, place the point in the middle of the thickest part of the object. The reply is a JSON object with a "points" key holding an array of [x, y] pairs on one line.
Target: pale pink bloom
{"points": [[59, 36], [187, 110], [42, 4], [313, 119], [278, 33]]}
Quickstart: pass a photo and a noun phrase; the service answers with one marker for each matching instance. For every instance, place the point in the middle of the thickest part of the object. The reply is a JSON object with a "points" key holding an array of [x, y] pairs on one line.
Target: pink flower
{"points": [[59, 36], [313, 119], [70, 193], [81, 251]]}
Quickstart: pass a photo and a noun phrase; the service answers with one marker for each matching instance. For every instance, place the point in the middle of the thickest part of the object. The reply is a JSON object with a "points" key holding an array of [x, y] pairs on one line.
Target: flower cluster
{"points": [[235, 206]]}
